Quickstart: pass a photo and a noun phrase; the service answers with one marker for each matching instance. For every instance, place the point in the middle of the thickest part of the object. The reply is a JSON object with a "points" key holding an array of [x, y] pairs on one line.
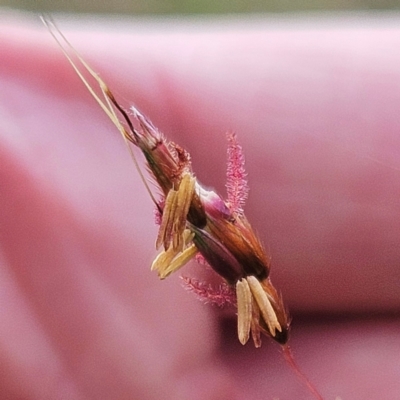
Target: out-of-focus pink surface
{"points": [[316, 109]]}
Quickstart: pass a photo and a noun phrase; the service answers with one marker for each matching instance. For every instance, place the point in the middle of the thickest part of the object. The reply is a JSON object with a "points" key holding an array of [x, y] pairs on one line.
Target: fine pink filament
{"points": [[290, 360]]}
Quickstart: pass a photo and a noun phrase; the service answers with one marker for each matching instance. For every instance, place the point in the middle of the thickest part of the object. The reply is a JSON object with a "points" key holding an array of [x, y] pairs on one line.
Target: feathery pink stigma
{"points": [[236, 184], [221, 295], [201, 260]]}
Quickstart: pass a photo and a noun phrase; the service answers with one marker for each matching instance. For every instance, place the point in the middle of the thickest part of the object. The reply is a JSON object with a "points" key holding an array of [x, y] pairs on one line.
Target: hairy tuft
{"points": [[236, 183]]}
